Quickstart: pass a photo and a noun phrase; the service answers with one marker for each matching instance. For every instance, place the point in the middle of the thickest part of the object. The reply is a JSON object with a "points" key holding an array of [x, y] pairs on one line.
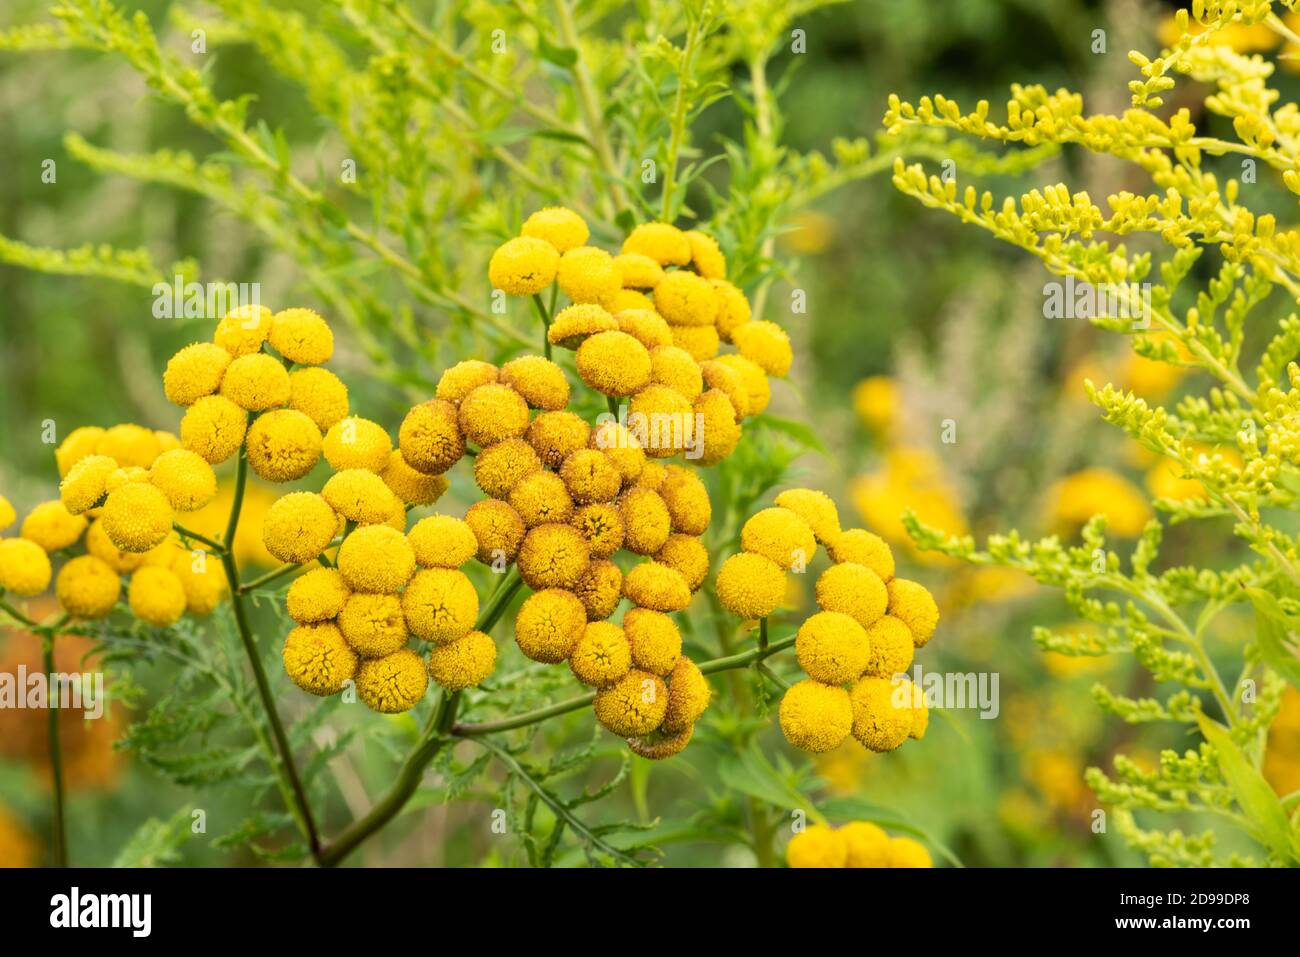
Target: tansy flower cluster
{"points": [[863, 637], [647, 326], [121, 487], [856, 844]]}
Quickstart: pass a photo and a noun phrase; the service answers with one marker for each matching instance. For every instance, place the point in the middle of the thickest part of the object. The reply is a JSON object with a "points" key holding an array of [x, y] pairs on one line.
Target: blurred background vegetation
{"points": [[911, 321]]}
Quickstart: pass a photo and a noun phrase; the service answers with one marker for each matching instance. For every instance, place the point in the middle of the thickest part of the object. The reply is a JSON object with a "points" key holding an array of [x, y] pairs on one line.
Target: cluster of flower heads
{"points": [[855, 647], [120, 489], [856, 844], [647, 325]]}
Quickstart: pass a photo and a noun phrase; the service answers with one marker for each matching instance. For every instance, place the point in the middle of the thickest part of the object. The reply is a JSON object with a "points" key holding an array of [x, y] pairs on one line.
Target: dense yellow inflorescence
{"points": [[856, 844]]}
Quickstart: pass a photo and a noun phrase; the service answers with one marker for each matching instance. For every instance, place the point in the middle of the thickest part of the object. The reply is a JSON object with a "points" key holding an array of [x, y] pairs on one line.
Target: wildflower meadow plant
{"points": [[552, 319], [1235, 438]]}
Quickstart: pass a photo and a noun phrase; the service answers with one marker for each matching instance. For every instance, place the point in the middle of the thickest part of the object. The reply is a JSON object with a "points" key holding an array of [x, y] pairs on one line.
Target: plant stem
{"points": [[186, 533], [590, 106], [237, 506], [546, 324], [678, 121], [17, 615], [268, 578], [59, 828]]}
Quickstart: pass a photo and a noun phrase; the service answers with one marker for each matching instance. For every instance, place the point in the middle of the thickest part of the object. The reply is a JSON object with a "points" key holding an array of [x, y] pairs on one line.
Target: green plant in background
{"points": [[1238, 440]]}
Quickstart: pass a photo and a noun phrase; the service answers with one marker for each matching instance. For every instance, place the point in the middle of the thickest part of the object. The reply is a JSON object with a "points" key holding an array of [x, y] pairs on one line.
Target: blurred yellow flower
{"points": [[1166, 479], [876, 401], [988, 584], [1147, 377], [1074, 499], [1243, 38], [1282, 759], [844, 767], [811, 232], [211, 521], [1058, 774], [910, 479]]}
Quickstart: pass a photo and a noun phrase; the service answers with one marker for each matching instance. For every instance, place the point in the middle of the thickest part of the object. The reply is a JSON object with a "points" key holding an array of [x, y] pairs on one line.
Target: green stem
{"points": [[269, 577], [546, 323], [678, 129], [241, 480], [59, 827], [186, 533], [17, 615], [612, 404]]}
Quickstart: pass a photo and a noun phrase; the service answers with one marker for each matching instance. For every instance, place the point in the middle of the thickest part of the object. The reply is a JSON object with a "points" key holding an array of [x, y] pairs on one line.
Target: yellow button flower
{"points": [[781, 535], [663, 420], [463, 378], [554, 436], [194, 372], [766, 345], [706, 256], [319, 595], [256, 382], [156, 596], [493, 413], [318, 660], [602, 655], [573, 324], [832, 648], [243, 330], [24, 567], [561, 227], [393, 684], [440, 605], [51, 526], [541, 498], [214, 427], [318, 394], [600, 588], [76, 446], [587, 274], [891, 647], [912, 603], [688, 556], [360, 496], [817, 846], [373, 625], [733, 308], [590, 476], [87, 587], [130, 445], [602, 526], [298, 527], [523, 266], [430, 437], [700, 341], [750, 586], [905, 852], [646, 520], [301, 336], [685, 299], [376, 558], [645, 326], [722, 376], [816, 717], [7, 513], [549, 624], [613, 363], [688, 696], [656, 586], [676, 369], [200, 575], [622, 448], [441, 541], [815, 508], [854, 590], [464, 663], [540, 381], [137, 517], [878, 722], [633, 705], [863, 548], [867, 844], [662, 242], [412, 487], [638, 270], [654, 639], [500, 467], [687, 500], [758, 390], [357, 443], [552, 556], [98, 544], [717, 423], [498, 529], [185, 478]]}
